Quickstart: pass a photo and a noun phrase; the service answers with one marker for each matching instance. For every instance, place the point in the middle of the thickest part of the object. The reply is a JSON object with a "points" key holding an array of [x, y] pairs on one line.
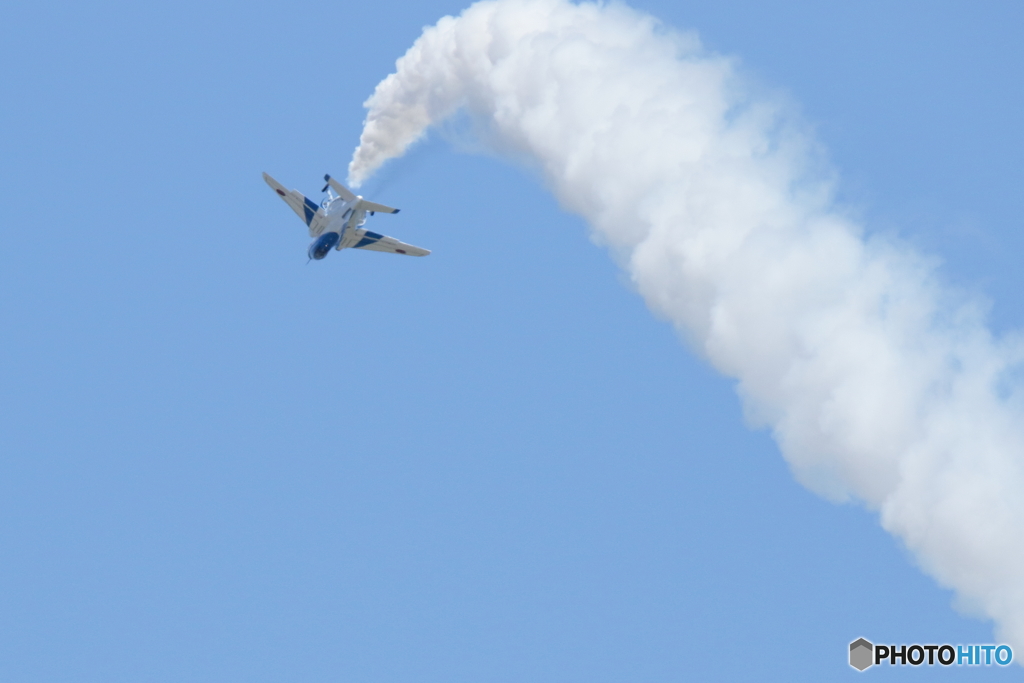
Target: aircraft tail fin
{"points": [[342, 191], [348, 196], [374, 206]]}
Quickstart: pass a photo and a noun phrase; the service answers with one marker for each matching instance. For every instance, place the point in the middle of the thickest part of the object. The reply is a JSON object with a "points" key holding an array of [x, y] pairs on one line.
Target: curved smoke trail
{"points": [[877, 384]]}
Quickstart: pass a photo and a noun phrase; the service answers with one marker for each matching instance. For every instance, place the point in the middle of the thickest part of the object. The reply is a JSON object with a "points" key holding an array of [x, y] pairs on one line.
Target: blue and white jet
{"points": [[337, 222]]}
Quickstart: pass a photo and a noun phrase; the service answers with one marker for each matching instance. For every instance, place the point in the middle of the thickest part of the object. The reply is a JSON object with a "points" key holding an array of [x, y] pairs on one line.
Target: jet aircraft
{"points": [[337, 222]]}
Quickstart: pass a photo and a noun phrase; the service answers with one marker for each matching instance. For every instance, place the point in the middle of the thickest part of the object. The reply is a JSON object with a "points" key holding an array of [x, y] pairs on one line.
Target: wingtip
{"points": [[396, 211]]}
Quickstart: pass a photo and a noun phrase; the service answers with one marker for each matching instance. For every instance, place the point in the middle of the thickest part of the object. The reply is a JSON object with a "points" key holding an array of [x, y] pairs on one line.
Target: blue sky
{"points": [[219, 463]]}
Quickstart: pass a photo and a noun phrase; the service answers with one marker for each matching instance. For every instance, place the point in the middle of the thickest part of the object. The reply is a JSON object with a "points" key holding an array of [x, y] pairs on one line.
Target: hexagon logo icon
{"points": [[862, 654]]}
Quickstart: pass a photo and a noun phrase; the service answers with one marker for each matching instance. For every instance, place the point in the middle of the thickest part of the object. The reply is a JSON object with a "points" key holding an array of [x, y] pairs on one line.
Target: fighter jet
{"points": [[337, 222]]}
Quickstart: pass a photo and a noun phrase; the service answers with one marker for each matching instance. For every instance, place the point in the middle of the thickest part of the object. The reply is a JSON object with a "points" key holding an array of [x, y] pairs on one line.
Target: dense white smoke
{"points": [[876, 382]]}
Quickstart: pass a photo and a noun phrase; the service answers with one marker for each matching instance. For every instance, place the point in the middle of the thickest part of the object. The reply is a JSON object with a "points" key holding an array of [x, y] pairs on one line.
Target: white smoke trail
{"points": [[876, 382]]}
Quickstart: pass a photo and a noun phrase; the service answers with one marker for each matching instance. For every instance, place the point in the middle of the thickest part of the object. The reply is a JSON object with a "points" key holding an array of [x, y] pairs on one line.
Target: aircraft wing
{"points": [[372, 241], [308, 210]]}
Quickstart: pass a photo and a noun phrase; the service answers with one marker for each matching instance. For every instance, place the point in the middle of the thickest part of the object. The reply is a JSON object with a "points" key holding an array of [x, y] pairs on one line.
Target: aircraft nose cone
{"points": [[323, 245]]}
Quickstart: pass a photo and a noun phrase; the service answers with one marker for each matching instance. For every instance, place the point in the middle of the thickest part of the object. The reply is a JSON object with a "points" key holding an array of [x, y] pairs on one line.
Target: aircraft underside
{"points": [[336, 223]]}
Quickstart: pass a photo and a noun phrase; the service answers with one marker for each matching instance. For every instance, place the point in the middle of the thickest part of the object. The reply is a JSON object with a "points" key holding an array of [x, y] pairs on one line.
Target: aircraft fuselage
{"points": [[341, 217]]}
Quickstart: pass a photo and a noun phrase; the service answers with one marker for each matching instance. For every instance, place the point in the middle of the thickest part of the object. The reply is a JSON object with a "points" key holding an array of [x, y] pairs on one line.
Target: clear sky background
{"points": [[218, 463]]}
